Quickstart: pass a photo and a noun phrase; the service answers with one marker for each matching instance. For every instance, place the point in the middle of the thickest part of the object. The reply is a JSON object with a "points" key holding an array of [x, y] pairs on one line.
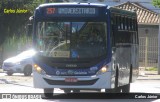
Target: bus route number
{"points": [[51, 10]]}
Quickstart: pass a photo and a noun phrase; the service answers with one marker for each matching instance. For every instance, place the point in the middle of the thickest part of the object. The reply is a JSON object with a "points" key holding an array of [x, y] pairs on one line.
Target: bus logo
{"points": [[58, 72], [71, 65], [70, 72]]}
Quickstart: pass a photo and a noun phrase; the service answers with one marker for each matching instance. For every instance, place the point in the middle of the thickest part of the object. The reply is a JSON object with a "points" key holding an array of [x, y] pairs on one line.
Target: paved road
{"points": [[20, 84]]}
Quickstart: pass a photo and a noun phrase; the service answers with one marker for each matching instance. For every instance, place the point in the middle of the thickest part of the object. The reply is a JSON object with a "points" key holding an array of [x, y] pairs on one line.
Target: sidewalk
{"points": [[148, 75]]}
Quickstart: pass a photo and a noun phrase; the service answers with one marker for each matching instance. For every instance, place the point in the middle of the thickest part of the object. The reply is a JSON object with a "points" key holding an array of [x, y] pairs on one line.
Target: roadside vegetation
{"points": [[13, 26], [156, 3], [152, 69], [14, 45]]}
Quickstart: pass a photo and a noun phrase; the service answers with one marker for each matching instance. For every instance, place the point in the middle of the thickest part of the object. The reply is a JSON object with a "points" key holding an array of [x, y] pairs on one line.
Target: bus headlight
{"points": [[103, 70], [39, 69]]}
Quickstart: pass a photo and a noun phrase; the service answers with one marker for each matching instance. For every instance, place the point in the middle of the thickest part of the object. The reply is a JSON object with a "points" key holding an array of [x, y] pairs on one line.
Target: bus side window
{"points": [[136, 34], [123, 22], [134, 38], [124, 38], [114, 28], [118, 22], [129, 24], [134, 24]]}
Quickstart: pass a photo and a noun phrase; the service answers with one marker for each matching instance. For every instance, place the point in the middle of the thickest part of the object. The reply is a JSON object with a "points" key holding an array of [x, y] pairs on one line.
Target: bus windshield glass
{"points": [[71, 39]]}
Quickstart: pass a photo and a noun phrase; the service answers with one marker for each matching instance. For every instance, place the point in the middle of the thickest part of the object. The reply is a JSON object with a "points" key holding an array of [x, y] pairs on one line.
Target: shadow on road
{"points": [[14, 75], [5, 81]]}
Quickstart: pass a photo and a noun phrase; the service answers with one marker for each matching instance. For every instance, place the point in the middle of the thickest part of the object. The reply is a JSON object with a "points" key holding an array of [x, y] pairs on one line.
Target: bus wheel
{"points": [[109, 90], [9, 73], [48, 93], [28, 70], [126, 88], [67, 90], [76, 91], [116, 89]]}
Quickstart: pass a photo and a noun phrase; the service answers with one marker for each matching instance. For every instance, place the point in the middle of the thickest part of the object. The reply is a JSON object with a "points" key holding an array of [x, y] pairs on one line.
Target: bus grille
{"points": [[62, 82]]}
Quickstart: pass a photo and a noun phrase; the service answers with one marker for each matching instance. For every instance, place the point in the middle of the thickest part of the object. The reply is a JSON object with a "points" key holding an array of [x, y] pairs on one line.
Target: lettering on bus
{"points": [[51, 10], [76, 11], [71, 11]]}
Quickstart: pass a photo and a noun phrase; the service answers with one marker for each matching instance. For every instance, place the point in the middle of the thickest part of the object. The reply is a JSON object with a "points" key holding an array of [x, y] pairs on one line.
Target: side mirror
{"points": [[29, 29]]}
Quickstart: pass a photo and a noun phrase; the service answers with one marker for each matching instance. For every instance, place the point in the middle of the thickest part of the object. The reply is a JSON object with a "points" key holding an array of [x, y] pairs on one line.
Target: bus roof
{"points": [[72, 4]]}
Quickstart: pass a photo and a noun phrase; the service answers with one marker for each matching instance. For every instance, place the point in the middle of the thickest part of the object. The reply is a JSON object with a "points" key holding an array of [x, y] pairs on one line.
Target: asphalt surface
{"points": [[147, 80]]}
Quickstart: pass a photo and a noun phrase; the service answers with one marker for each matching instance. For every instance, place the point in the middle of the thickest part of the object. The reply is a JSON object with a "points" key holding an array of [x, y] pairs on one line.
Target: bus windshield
{"points": [[71, 39]]}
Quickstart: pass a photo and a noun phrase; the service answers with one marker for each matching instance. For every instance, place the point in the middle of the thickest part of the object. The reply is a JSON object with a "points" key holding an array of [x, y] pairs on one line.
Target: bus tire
{"points": [[131, 72], [76, 91], [27, 70], [109, 90], [126, 88], [116, 89], [67, 90], [48, 92]]}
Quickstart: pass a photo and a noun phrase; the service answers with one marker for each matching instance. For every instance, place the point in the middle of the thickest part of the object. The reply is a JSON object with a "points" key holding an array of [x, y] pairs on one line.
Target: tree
{"points": [[156, 3], [14, 23]]}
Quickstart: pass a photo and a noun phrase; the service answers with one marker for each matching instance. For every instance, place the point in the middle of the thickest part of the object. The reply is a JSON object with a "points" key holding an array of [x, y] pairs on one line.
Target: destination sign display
{"points": [[67, 12]]}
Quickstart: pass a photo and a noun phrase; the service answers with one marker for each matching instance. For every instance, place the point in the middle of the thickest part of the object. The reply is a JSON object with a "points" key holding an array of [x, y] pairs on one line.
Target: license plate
{"points": [[71, 80]]}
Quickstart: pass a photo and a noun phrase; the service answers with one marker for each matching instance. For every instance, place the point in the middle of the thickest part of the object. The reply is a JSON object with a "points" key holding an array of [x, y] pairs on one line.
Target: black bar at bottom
{"points": [[81, 96], [106, 96]]}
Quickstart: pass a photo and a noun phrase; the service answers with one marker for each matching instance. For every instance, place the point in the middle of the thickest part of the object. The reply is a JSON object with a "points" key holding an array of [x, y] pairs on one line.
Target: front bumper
{"points": [[85, 82]]}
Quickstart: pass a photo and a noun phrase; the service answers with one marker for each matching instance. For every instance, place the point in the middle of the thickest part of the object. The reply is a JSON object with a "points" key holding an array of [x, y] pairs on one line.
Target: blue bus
{"points": [[84, 46]]}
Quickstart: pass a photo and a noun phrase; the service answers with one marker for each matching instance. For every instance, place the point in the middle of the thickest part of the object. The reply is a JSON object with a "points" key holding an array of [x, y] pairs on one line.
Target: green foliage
{"points": [[13, 30], [15, 45], [156, 3], [152, 69], [12, 24]]}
